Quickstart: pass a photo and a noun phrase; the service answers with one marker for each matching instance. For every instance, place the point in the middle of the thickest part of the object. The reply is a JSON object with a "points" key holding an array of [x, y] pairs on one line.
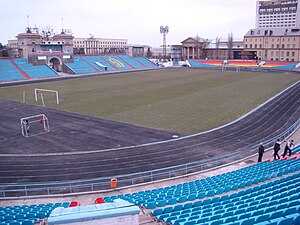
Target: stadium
{"points": [[116, 139]]}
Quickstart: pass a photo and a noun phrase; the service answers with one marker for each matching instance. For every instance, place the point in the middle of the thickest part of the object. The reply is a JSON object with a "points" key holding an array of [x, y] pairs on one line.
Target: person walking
{"points": [[261, 151], [276, 149], [288, 148]]}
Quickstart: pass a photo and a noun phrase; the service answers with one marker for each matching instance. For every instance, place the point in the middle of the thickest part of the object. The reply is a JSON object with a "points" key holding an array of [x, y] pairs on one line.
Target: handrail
{"points": [[98, 184]]}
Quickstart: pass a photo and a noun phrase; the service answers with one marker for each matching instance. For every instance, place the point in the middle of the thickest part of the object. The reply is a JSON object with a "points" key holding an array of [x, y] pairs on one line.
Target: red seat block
{"points": [[99, 201]]}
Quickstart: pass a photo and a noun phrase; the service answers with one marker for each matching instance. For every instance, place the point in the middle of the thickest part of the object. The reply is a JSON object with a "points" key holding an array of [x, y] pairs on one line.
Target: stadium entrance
{"points": [[55, 63]]}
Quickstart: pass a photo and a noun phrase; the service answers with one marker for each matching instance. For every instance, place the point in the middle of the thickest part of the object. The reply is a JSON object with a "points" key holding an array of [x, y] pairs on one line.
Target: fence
{"points": [[99, 184]]}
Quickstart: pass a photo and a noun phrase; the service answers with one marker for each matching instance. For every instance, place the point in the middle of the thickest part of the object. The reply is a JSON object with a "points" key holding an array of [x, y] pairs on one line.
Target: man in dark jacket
{"points": [[276, 149], [261, 151]]}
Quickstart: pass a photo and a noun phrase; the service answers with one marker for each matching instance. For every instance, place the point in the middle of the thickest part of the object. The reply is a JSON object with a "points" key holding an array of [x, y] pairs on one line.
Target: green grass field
{"points": [[180, 100]]}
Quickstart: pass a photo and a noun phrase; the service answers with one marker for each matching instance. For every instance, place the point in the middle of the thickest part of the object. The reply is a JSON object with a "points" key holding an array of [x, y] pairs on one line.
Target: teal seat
{"points": [[201, 195], [172, 201], [14, 223], [178, 221], [182, 199], [150, 205], [28, 222], [157, 212], [262, 218], [287, 221], [297, 220], [161, 203], [178, 208], [168, 209], [230, 219], [247, 221], [188, 205], [192, 197]]}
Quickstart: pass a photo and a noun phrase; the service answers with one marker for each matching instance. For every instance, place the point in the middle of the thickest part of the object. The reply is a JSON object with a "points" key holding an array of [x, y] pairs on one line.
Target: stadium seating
{"points": [[35, 71], [79, 66], [8, 71], [116, 62], [213, 185], [92, 60], [275, 202], [131, 61], [242, 63], [145, 62], [27, 214]]}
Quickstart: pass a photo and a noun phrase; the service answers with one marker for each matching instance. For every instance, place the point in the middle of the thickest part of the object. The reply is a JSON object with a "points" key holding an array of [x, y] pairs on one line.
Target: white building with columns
{"points": [[94, 45]]}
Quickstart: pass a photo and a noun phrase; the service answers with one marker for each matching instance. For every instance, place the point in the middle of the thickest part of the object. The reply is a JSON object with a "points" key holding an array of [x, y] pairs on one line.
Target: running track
{"points": [[83, 147]]}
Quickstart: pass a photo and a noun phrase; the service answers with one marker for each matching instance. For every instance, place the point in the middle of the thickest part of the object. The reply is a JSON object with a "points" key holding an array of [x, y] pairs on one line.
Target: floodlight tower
{"points": [[164, 31]]}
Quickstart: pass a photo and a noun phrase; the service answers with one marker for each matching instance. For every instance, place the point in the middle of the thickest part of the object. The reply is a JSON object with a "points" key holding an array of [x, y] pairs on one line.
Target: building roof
{"points": [[262, 32]]}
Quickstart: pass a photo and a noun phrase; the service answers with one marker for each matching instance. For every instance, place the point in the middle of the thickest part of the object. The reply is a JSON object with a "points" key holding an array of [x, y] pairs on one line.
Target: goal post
{"points": [[38, 91], [34, 125]]}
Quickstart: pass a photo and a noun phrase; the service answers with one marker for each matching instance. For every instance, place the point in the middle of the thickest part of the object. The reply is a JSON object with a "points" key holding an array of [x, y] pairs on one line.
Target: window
{"points": [[33, 47], [293, 54], [282, 45], [287, 53], [250, 45]]}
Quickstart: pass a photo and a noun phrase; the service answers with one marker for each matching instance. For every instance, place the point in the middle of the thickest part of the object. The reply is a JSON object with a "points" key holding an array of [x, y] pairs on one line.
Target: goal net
{"points": [[34, 125], [38, 92]]}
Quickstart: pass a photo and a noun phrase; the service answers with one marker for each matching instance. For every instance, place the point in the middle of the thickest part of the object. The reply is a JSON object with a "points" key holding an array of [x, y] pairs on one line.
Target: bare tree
{"points": [[46, 32], [149, 53], [217, 46], [230, 46]]}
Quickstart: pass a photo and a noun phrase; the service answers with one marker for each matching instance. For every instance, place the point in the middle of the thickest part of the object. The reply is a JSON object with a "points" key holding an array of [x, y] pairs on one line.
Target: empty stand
{"points": [[133, 62], [145, 62], [35, 71], [8, 71], [28, 214], [92, 60], [213, 185], [79, 66], [115, 62]]}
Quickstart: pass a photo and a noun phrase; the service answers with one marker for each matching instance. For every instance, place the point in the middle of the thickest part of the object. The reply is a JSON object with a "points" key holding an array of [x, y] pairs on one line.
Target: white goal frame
{"points": [[39, 90], [25, 123]]}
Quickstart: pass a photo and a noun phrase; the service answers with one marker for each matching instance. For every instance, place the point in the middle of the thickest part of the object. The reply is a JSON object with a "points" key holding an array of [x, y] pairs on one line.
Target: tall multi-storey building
{"points": [[277, 14]]}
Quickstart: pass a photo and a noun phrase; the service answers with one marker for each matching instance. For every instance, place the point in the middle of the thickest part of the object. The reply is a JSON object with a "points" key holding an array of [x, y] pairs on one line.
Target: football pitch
{"points": [[180, 100]]}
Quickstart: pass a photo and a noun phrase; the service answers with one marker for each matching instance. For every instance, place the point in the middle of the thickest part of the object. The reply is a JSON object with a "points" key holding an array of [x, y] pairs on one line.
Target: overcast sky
{"points": [[136, 20]]}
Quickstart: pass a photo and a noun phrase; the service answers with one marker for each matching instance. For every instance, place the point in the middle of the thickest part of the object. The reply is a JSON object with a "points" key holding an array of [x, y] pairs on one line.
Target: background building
{"points": [[135, 50], [194, 48], [277, 14], [97, 46], [280, 44]]}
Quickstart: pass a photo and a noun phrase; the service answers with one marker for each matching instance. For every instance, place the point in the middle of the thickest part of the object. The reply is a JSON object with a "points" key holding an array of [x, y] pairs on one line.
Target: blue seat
{"points": [[172, 201], [287, 221], [188, 205], [201, 195], [178, 208], [168, 209], [150, 205], [182, 199], [192, 197], [28, 222], [290, 211], [161, 203], [297, 220], [14, 223], [157, 212], [262, 218], [247, 222]]}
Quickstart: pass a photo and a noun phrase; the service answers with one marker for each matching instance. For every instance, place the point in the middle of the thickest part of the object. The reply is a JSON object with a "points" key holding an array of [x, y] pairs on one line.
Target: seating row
{"points": [[267, 203], [85, 64], [28, 214], [211, 186]]}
